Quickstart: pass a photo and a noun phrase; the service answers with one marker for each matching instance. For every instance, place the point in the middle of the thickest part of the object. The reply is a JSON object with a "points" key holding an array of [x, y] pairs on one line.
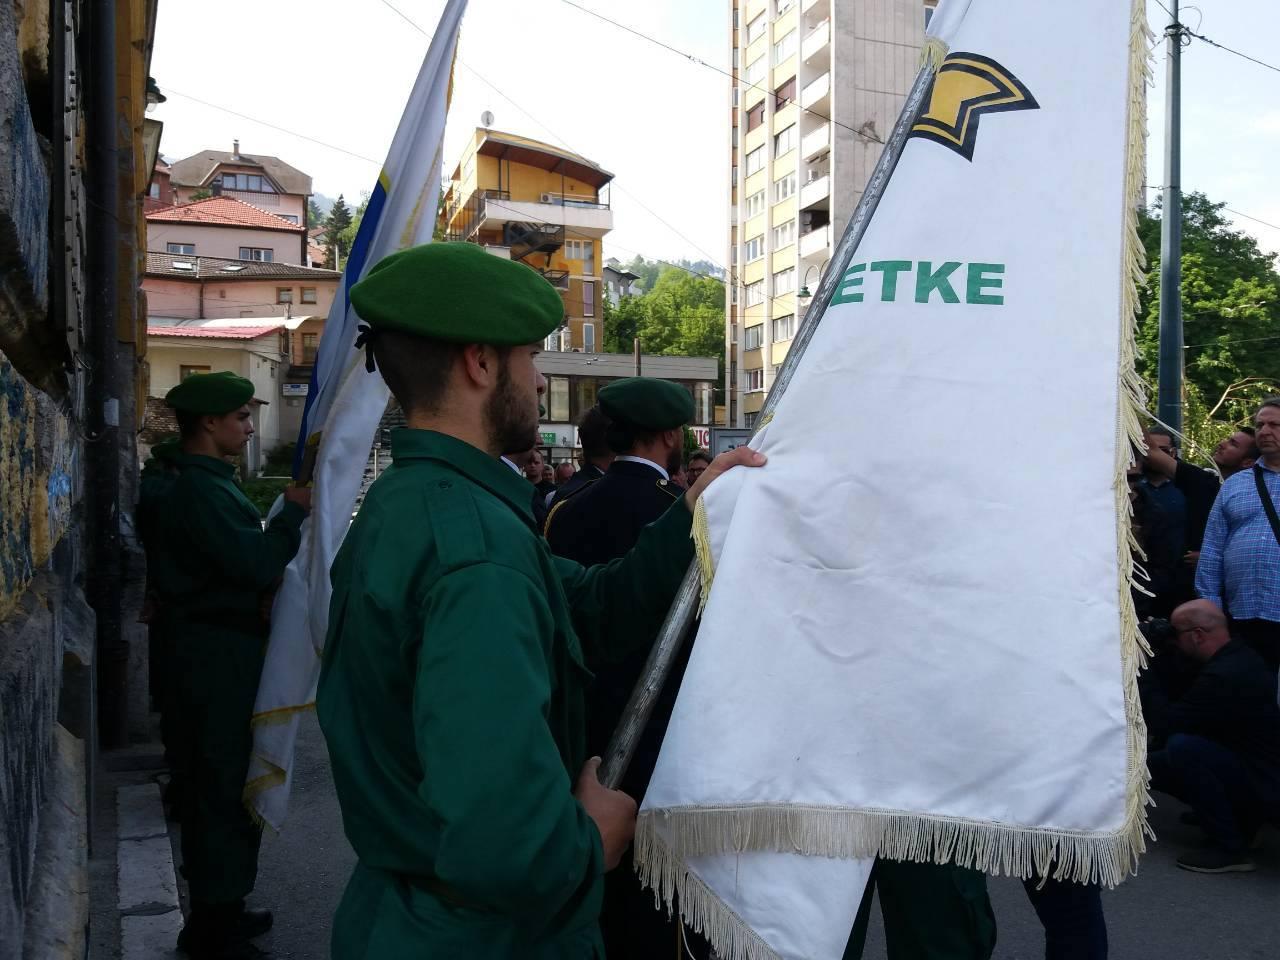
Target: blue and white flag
{"points": [[344, 406]]}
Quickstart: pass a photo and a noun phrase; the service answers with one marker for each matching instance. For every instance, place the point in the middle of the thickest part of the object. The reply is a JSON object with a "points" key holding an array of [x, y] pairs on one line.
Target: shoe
{"points": [[254, 923], [1216, 860]]}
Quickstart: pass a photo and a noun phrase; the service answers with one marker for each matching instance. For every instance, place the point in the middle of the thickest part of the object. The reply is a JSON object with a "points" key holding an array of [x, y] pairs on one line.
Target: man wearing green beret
{"points": [[602, 522], [213, 564], [451, 693]]}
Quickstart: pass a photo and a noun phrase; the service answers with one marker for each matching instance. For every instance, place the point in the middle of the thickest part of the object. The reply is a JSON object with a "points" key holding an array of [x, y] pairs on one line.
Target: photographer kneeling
{"points": [[1218, 745]]}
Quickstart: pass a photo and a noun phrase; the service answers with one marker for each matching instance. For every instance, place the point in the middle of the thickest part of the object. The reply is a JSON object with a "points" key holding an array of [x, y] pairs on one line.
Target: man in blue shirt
{"points": [[1239, 567]]}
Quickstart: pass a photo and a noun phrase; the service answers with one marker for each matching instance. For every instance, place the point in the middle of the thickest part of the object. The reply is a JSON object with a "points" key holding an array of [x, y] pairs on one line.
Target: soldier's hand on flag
{"points": [[612, 811], [737, 457], [299, 495]]}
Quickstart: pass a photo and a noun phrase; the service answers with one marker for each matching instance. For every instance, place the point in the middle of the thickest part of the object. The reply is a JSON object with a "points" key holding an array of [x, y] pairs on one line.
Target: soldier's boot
{"points": [[221, 931]]}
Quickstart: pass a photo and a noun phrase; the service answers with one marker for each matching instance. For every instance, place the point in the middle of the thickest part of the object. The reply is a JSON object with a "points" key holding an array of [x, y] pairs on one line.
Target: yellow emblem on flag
{"points": [[967, 87]]}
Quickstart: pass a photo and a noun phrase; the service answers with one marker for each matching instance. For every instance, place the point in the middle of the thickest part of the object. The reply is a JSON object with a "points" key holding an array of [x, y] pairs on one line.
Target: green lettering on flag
{"points": [[979, 281], [889, 282], [928, 280], [850, 280]]}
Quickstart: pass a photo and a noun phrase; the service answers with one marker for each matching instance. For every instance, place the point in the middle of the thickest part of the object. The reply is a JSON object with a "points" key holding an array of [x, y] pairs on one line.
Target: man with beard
{"points": [[600, 523], [452, 689]]}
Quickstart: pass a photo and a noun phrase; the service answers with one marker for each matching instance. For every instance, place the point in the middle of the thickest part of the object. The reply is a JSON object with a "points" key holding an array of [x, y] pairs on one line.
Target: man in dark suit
{"points": [[595, 525], [596, 456], [1220, 741]]}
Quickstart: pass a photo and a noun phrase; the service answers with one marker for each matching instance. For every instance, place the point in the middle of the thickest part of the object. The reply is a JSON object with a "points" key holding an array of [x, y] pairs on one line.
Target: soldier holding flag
{"points": [[452, 689]]}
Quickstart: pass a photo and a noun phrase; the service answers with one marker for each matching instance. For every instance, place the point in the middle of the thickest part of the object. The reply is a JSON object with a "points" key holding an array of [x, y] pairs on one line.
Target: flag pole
{"points": [[675, 628]]}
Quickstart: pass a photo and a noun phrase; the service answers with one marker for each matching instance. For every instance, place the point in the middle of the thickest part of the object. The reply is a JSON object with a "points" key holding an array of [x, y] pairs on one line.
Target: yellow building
{"points": [[545, 207]]}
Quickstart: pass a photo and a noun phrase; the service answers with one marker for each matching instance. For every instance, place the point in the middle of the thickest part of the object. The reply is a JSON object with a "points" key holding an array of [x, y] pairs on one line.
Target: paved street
{"points": [[1162, 913]]}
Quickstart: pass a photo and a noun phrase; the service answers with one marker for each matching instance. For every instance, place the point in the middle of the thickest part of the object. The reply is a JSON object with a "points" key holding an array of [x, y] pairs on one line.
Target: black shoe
{"points": [[1216, 860], [254, 923]]}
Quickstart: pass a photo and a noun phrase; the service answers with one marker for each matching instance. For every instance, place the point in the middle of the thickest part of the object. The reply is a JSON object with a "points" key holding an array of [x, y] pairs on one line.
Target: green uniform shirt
{"points": [[451, 697], [217, 559]]}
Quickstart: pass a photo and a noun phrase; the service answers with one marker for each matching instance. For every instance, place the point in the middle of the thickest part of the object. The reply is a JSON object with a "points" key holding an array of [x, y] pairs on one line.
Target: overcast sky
{"points": [[339, 72]]}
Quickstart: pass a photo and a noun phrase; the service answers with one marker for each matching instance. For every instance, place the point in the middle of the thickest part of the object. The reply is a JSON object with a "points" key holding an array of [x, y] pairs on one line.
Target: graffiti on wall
{"points": [[38, 470]]}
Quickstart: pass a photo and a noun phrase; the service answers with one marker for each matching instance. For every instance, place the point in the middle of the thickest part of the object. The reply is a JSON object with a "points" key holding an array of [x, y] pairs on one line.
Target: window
{"points": [[754, 294], [753, 380], [784, 141], [930, 8], [784, 234], [582, 395], [784, 328], [785, 5], [733, 294], [785, 94], [784, 281], [753, 337], [247, 181], [154, 191], [558, 399], [755, 249], [287, 216], [756, 71], [784, 47], [784, 187], [584, 250], [308, 294], [589, 302], [756, 28], [310, 346], [755, 204], [733, 138], [260, 254], [735, 97], [284, 294], [755, 161], [588, 338], [186, 371], [733, 176], [755, 116], [735, 58], [182, 249]]}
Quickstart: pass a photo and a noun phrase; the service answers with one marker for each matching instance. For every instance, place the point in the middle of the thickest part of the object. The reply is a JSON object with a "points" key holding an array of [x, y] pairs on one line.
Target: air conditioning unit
{"points": [[549, 198]]}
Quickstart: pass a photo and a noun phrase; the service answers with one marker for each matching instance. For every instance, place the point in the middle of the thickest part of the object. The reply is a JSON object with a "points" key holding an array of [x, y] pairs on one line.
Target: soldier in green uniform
{"points": [[214, 562], [598, 524], [451, 693]]}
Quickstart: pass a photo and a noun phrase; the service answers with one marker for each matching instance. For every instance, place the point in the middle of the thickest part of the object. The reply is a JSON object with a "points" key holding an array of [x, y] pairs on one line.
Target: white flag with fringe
{"points": [[344, 406], [919, 640]]}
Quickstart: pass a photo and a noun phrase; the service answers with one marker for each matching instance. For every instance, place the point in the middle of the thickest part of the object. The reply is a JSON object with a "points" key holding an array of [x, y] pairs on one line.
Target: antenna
{"points": [[486, 119]]}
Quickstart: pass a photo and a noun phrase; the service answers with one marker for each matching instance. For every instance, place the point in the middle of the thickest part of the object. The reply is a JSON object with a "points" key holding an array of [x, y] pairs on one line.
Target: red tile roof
{"points": [[219, 333], [223, 212]]}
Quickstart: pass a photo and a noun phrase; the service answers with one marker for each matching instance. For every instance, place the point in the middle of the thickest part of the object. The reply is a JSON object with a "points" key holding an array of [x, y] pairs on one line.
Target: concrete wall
{"points": [[214, 241], [242, 298]]}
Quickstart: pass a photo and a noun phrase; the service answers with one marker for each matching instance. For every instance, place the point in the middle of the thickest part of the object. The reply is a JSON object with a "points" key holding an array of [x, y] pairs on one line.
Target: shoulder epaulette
{"points": [[546, 524]]}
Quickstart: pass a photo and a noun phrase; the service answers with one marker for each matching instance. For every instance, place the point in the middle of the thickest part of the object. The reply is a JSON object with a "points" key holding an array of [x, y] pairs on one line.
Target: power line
{"points": [[1220, 46], [265, 123], [564, 143], [711, 66]]}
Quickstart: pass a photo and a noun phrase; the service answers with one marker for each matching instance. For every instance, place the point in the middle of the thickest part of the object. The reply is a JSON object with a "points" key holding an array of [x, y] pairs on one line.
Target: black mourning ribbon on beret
{"points": [[365, 340]]}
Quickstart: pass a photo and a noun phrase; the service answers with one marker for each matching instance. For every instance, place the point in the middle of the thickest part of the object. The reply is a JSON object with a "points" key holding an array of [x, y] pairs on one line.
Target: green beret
{"points": [[210, 393], [644, 403], [460, 293]]}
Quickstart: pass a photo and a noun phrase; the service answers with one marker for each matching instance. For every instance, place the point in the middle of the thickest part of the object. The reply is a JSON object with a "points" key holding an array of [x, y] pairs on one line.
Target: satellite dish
{"points": [[486, 119]]}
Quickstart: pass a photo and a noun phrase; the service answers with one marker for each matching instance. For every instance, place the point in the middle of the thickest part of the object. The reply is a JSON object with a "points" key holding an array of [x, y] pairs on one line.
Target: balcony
{"points": [[815, 243], [816, 142], [815, 191], [815, 41], [494, 209], [810, 4], [557, 278], [817, 95]]}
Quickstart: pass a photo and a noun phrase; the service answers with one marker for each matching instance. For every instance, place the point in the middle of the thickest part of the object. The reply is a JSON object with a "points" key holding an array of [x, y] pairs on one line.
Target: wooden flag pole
{"points": [[675, 628]]}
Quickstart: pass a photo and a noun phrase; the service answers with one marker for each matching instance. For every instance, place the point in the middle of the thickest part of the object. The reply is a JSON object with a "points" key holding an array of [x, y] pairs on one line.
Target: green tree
{"points": [[335, 226], [1230, 316], [348, 235], [314, 217], [679, 315]]}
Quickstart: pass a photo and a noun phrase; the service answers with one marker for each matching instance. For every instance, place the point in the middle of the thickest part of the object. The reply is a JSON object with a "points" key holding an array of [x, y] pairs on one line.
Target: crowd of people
{"points": [[1209, 598], [492, 612]]}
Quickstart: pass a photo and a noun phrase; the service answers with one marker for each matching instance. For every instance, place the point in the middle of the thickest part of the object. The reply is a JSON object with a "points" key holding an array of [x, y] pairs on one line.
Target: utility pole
{"points": [[1169, 397], [636, 347]]}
